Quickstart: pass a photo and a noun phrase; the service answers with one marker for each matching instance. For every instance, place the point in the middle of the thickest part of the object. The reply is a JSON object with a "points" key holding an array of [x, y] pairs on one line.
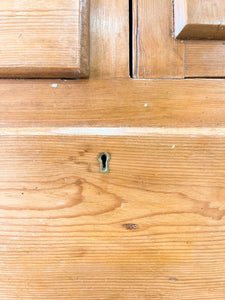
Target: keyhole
{"points": [[104, 159]]}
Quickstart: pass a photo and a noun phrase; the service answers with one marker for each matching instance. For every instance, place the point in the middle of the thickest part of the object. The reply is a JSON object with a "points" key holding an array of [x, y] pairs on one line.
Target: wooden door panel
{"points": [[68, 231], [151, 228], [199, 19], [155, 53], [138, 232], [44, 38], [112, 103], [205, 59], [109, 39], [158, 54]]}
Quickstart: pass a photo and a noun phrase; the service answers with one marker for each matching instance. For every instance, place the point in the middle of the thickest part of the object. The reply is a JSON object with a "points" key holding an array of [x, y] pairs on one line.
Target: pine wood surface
{"points": [[153, 228], [112, 103], [156, 52], [199, 19], [109, 39], [205, 59], [44, 38]]}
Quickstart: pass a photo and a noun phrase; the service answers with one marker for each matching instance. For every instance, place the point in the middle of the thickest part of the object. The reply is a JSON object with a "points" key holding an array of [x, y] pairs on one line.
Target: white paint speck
{"points": [[54, 85], [3, 247], [173, 146], [146, 105]]}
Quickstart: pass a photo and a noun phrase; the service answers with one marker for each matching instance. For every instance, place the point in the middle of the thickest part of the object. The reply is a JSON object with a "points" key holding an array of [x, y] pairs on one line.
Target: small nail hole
{"points": [[104, 159]]}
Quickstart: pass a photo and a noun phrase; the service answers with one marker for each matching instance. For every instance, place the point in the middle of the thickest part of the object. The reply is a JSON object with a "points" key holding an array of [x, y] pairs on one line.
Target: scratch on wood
{"points": [[173, 25], [140, 49], [141, 52]]}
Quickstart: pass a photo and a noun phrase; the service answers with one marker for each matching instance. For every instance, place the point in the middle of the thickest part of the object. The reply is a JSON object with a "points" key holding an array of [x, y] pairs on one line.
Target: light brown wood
{"points": [[205, 59], [109, 39], [155, 53], [112, 103], [199, 19], [153, 228], [44, 38]]}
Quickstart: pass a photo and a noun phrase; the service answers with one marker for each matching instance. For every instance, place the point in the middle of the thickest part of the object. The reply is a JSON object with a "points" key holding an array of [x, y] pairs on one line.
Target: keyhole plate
{"points": [[104, 159]]}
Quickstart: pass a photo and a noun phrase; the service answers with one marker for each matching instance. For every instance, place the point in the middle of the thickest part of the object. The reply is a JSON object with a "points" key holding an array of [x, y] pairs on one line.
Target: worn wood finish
{"points": [[155, 53], [151, 228], [112, 103], [44, 38], [109, 39], [199, 19]]}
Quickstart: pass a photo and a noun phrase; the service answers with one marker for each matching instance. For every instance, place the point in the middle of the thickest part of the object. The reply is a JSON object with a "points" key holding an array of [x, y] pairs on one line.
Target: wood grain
{"points": [[109, 39], [199, 19], [155, 53], [44, 38], [153, 228], [204, 59], [112, 103]]}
